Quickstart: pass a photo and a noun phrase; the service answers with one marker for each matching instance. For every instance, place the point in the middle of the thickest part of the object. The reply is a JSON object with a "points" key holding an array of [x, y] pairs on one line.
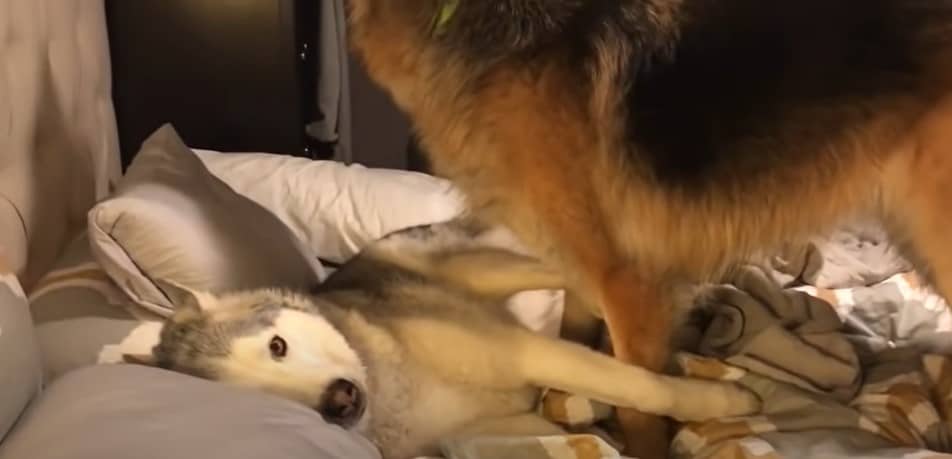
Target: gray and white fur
{"points": [[409, 343]]}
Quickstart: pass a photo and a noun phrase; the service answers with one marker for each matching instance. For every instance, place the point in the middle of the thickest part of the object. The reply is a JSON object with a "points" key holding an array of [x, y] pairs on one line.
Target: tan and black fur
{"points": [[641, 142]]}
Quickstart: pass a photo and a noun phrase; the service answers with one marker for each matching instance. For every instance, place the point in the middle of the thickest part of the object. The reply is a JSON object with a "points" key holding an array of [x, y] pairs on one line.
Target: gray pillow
{"points": [[20, 373], [172, 220], [132, 411], [82, 318]]}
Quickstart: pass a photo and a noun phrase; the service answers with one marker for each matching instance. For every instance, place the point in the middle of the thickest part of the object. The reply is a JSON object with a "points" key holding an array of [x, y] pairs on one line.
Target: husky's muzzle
{"points": [[343, 403]]}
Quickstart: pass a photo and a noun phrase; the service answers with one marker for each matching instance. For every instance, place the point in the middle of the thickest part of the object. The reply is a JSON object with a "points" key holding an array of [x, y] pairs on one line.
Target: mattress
{"points": [[82, 318]]}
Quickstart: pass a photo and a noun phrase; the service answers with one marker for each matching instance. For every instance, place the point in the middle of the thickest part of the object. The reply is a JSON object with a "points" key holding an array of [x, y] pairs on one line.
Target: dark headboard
{"points": [[231, 76]]}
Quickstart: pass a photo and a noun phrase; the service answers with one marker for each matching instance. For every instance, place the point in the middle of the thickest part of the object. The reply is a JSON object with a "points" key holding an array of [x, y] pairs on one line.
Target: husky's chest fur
{"points": [[415, 399]]}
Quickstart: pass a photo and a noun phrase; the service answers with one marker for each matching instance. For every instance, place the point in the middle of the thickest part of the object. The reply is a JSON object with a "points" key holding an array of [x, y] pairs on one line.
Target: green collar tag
{"points": [[443, 16]]}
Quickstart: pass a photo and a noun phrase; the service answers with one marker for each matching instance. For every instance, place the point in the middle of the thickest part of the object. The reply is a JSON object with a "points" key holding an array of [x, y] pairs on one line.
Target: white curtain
{"points": [[58, 137]]}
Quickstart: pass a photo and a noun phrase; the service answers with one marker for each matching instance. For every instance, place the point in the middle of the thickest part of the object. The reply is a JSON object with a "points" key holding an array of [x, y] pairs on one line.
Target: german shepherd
{"points": [[640, 142], [410, 344]]}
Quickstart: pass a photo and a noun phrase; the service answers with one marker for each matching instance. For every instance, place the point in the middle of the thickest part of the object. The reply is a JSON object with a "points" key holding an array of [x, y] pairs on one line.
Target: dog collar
{"points": [[443, 16]]}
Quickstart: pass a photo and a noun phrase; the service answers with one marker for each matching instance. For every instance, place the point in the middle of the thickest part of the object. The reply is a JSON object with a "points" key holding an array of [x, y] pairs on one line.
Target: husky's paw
{"points": [[700, 400]]}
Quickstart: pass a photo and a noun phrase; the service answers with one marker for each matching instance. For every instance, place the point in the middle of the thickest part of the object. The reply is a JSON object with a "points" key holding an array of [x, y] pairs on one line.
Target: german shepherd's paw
{"points": [[711, 400]]}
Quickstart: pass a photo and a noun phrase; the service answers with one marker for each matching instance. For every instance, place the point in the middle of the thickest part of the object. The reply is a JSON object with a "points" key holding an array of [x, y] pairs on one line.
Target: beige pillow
{"points": [[133, 411], [82, 318], [20, 374], [170, 219]]}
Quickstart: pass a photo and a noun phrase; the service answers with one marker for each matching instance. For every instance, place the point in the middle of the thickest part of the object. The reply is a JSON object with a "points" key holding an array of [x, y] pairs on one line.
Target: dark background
{"points": [[240, 77]]}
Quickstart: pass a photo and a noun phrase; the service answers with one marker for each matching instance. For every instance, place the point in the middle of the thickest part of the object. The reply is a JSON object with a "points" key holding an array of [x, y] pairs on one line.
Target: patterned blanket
{"points": [[826, 393], [843, 343]]}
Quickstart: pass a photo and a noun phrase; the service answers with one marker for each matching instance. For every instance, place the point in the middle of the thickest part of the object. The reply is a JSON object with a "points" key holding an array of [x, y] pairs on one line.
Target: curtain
{"points": [[58, 137], [333, 81]]}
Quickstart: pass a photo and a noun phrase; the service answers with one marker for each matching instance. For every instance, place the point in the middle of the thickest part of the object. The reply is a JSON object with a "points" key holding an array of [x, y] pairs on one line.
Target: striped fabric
{"points": [[20, 372], [83, 318]]}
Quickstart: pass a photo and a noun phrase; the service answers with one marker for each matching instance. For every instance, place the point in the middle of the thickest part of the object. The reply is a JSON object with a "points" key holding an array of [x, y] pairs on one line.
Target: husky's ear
{"points": [[182, 297], [139, 359]]}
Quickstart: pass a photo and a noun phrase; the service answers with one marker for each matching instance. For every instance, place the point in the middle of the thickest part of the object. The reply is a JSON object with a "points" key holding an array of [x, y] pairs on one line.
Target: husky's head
{"points": [[269, 340]]}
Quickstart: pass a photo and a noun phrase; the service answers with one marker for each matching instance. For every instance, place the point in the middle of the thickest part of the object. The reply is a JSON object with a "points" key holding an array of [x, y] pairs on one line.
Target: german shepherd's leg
{"points": [[639, 324], [568, 223], [918, 196], [638, 321]]}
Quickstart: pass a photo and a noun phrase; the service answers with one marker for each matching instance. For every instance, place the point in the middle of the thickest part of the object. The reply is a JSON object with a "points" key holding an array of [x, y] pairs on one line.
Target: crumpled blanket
{"points": [[856, 254], [583, 446], [785, 335], [824, 394], [846, 347]]}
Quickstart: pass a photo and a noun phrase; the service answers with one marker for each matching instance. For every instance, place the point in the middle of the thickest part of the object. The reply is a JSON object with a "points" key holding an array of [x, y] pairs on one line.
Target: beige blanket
{"points": [[822, 399], [826, 394]]}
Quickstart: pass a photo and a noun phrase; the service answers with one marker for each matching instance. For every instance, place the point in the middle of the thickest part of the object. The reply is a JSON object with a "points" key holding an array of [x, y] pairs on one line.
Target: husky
{"points": [[410, 343]]}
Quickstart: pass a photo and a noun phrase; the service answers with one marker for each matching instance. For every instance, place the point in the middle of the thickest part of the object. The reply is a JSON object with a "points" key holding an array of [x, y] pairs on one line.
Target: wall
{"points": [[380, 131]]}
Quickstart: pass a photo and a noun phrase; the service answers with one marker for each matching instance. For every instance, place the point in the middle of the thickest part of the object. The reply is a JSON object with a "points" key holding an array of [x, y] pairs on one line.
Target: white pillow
{"points": [[338, 209], [334, 208], [171, 219]]}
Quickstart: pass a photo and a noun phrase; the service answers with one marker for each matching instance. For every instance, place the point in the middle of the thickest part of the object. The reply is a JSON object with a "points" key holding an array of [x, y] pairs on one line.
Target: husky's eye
{"points": [[278, 347]]}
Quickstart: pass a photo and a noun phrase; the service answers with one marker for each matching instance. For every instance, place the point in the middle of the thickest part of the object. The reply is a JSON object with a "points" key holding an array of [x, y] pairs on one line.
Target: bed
{"points": [[842, 340]]}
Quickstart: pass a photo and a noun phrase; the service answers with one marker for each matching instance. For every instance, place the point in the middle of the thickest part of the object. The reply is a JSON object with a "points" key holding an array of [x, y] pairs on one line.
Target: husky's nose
{"points": [[342, 403]]}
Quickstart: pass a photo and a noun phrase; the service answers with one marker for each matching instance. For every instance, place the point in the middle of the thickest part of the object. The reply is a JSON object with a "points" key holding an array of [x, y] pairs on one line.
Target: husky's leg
{"points": [[492, 272], [491, 355], [485, 271], [579, 370], [507, 357], [639, 321]]}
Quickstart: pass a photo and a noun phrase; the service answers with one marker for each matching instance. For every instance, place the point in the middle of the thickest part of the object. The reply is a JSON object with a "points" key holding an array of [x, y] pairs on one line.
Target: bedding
{"points": [[899, 407], [20, 375], [862, 370], [123, 411], [82, 317], [335, 208], [857, 253]]}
